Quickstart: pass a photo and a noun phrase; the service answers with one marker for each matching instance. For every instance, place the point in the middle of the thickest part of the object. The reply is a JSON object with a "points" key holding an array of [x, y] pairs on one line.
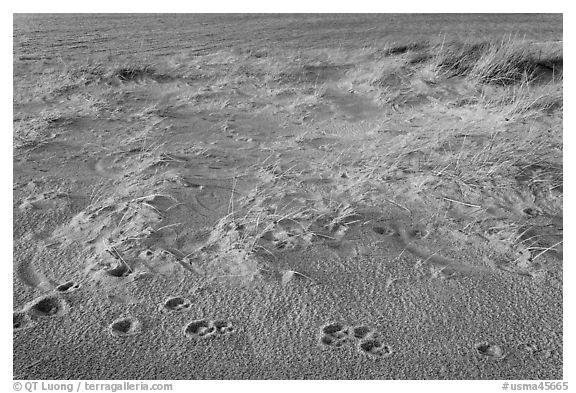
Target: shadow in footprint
{"points": [[68, 286], [223, 327], [175, 303], [334, 334], [47, 306], [120, 270], [361, 332], [199, 329], [123, 327], [489, 350], [375, 348], [21, 320], [331, 342]]}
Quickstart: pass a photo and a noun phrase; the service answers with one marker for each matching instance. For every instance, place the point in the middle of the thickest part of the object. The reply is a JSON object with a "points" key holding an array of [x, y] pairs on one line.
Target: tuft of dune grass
{"points": [[501, 63], [525, 97], [133, 72]]}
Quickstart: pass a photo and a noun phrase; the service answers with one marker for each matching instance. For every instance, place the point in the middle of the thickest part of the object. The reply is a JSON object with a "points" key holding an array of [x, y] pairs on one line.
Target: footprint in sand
{"points": [[21, 320], [68, 286], [489, 350], [223, 327], [199, 329], [335, 334], [175, 303], [374, 347], [119, 270], [361, 332], [124, 327], [47, 306], [204, 328]]}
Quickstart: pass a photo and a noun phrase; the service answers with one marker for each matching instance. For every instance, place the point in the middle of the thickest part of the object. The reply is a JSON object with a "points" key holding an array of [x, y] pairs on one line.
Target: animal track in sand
{"points": [[335, 329], [68, 286], [47, 306], [374, 347], [361, 332], [199, 329], [21, 320], [176, 303], [119, 270], [204, 328], [489, 350], [223, 327], [123, 327], [334, 334]]}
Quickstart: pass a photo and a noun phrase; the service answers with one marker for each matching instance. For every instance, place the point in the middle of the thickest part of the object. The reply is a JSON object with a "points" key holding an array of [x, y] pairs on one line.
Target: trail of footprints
{"points": [[367, 340], [203, 328], [196, 329], [54, 304], [50, 305]]}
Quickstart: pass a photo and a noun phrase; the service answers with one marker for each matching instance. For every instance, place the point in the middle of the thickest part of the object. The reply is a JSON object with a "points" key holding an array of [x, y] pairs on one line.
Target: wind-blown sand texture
{"points": [[311, 197]]}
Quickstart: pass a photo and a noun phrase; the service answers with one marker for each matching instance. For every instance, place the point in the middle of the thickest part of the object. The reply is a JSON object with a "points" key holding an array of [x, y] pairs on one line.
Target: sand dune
{"points": [[368, 213]]}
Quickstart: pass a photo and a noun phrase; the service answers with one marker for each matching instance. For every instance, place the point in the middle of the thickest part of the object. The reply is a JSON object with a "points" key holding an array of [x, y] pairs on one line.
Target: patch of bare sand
{"points": [[368, 227]]}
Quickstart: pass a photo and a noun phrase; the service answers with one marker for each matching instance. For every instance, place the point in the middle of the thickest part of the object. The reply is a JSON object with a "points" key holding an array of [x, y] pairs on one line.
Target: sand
{"points": [[318, 215]]}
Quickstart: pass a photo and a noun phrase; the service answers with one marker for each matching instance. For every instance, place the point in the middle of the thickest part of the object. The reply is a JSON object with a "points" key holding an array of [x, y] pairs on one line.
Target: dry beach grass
{"points": [[372, 212]]}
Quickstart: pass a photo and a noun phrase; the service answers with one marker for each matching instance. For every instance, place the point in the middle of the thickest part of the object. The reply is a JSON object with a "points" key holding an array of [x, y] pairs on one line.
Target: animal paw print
{"points": [[176, 303], [42, 307], [223, 327], [120, 269], [490, 351], [370, 343], [199, 329], [361, 332], [335, 334], [21, 320], [124, 327], [203, 328], [47, 306], [374, 347]]}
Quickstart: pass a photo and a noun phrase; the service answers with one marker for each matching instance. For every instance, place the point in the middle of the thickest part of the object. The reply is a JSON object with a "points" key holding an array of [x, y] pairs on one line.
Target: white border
{"points": [[355, 6], [290, 6]]}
